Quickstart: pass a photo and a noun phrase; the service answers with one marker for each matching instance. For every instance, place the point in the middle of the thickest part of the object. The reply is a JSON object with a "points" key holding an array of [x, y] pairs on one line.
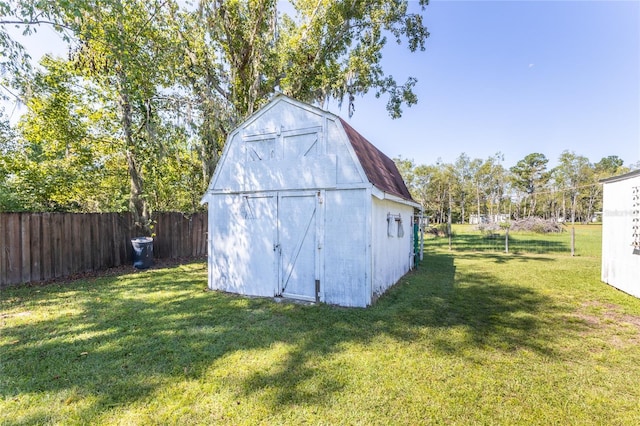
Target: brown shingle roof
{"points": [[380, 169]]}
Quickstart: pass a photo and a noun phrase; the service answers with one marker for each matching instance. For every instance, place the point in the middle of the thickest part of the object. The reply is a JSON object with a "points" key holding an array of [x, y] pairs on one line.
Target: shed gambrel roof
{"points": [[380, 169]]}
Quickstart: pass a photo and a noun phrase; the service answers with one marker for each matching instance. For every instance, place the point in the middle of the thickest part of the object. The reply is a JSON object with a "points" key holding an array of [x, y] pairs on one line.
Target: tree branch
{"points": [[36, 22]]}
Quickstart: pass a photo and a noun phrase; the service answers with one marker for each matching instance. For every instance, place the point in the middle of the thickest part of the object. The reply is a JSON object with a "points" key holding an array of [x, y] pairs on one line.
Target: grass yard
{"points": [[472, 337]]}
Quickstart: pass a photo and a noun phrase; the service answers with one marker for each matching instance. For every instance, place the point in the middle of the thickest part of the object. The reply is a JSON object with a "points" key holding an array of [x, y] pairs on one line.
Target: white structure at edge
{"points": [[621, 232]]}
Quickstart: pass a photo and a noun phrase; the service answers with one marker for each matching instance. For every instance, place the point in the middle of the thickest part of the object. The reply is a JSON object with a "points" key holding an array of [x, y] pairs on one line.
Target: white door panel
{"points": [[297, 239]]}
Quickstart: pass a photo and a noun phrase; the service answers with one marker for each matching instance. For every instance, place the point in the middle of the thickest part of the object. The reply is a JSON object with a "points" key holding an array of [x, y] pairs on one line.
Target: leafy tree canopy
{"points": [[173, 81]]}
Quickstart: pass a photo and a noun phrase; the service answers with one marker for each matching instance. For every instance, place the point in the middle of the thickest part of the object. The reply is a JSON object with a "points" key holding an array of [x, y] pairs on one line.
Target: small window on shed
{"points": [[394, 226]]}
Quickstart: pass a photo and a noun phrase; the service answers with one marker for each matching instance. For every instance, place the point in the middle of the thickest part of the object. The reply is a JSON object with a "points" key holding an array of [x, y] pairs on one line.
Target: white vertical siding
{"points": [[620, 259], [346, 249], [392, 253], [347, 170]]}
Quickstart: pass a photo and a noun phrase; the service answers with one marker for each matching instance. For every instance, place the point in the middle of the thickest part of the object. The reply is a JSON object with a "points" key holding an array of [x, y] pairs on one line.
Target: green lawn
{"points": [[473, 337]]}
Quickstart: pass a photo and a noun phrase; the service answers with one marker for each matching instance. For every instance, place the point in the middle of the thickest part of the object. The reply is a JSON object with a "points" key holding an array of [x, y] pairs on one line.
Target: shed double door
{"points": [[295, 242]]}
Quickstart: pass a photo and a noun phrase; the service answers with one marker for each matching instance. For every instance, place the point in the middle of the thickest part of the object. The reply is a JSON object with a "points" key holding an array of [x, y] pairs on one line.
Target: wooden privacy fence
{"points": [[41, 246]]}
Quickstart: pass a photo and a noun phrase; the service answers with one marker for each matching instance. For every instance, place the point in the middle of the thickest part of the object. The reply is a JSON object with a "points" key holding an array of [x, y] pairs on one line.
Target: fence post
{"points": [[449, 222], [573, 241], [506, 241]]}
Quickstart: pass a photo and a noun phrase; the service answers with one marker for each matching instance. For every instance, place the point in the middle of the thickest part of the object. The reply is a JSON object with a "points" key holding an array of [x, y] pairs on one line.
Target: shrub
{"points": [[439, 230]]}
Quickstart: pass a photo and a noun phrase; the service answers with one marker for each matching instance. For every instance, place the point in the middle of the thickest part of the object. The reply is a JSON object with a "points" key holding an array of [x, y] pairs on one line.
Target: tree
{"points": [[433, 185], [606, 167], [203, 71], [407, 169], [530, 175], [238, 53], [333, 49], [460, 184], [126, 49], [57, 161], [610, 166], [7, 143], [490, 183], [29, 15], [572, 173]]}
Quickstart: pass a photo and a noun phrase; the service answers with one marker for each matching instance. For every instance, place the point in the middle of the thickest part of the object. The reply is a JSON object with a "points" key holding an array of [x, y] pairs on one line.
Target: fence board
{"points": [[46, 246], [202, 235], [4, 247], [186, 236], [107, 242], [67, 246], [35, 246], [77, 259], [177, 236], [25, 248], [13, 257], [56, 227], [158, 241], [85, 238], [112, 221], [98, 262], [98, 245]]}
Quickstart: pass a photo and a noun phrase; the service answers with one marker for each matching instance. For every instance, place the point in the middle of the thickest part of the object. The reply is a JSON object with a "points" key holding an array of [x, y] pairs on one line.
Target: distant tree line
{"points": [[484, 188]]}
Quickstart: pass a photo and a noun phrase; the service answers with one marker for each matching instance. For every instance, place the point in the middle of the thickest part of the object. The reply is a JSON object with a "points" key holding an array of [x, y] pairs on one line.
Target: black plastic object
{"points": [[142, 252]]}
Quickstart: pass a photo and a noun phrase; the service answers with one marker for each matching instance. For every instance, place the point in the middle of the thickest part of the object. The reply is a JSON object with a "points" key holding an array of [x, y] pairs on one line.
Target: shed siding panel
{"points": [[282, 116], [347, 171], [345, 245], [392, 251], [620, 260], [283, 175]]}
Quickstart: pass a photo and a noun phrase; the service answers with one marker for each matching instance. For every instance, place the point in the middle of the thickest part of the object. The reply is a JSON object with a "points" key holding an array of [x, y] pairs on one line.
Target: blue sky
{"points": [[515, 77]]}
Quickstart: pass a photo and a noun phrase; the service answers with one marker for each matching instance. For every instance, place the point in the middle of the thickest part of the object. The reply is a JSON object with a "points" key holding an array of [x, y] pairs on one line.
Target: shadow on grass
{"points": [[504, 258], [124, 338]]}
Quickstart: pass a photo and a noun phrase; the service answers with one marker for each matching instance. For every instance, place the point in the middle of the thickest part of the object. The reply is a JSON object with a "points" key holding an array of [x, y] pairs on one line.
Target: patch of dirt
{"points": [[622, 329]]}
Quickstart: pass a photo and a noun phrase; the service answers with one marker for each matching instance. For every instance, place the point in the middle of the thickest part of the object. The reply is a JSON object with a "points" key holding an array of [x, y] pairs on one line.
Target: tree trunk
{"points": [[532, 209], [478, 201], [137, 204]]}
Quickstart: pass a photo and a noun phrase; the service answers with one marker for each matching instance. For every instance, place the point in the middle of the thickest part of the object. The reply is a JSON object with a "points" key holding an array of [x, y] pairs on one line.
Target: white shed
{"points": [[621, 232], [302, 206]]}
